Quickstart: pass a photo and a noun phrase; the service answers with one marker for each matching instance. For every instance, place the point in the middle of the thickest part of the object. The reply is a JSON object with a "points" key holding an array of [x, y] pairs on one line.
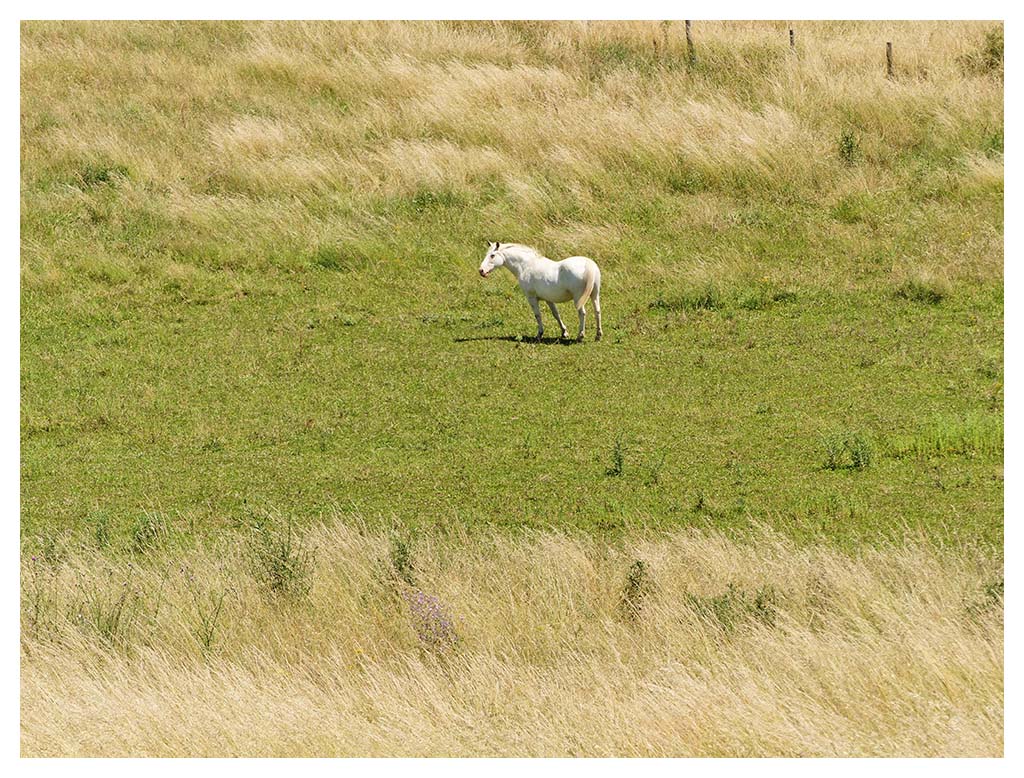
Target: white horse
{"points": [[576, 278]]}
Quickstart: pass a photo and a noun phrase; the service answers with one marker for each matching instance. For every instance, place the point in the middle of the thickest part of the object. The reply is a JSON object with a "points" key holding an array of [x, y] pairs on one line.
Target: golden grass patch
{"points": [[684, 643]]}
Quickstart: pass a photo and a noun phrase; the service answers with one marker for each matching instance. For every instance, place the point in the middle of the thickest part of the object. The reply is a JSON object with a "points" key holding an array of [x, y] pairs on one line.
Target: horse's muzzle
{"points": [[483, 274]]}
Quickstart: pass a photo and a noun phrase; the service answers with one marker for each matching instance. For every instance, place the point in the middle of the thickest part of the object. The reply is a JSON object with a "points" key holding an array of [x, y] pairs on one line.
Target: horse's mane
{"points": [[523, 250]]}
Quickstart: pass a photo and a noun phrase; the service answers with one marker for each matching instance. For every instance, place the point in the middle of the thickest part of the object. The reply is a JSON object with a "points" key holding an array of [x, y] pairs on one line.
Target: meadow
{"points": [[250, 309]]}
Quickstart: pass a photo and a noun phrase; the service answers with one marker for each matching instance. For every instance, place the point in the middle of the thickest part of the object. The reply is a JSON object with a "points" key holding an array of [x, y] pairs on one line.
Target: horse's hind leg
{"points": [[554, 312], [581, 309], [597, 313]]}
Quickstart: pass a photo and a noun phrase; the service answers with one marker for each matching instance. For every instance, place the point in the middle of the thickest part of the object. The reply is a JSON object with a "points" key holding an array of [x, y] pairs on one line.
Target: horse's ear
{"points": [[496, 245]]}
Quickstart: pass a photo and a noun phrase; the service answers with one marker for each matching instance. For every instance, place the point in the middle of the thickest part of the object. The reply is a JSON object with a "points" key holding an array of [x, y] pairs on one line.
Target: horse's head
{"points": [[492, 259]]}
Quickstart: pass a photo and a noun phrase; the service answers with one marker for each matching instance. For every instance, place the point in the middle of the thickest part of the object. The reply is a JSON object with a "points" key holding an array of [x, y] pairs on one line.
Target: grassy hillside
{"points": [[275, 428], [249, 279]]}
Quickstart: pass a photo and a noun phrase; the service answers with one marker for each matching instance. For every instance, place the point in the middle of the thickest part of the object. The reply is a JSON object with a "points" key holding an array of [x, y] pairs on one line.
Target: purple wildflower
{"points": [[433, 624]]}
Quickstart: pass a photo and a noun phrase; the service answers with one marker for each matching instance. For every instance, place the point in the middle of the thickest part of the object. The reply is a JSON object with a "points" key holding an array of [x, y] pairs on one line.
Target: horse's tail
{"points": [[590, 277]]}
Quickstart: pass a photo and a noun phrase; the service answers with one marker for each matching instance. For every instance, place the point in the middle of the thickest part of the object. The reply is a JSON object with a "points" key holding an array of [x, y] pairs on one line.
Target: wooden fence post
{"points": [[888, 59], [690, 52]]}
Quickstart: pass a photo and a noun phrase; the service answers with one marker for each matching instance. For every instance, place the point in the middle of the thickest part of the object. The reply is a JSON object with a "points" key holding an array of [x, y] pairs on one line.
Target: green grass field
{"points": [[248, 276], [270, 413]]}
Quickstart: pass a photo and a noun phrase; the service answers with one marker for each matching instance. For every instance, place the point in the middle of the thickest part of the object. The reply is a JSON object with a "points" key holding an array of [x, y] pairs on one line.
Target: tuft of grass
{"points": [[700, 504], [426, 200], [835, 448], [861, 452], [974, 435], [654, 471], [101, 173], [923, 288], [340, 258], [685, 180], [705, 297], [100, 521], [852, 209]]}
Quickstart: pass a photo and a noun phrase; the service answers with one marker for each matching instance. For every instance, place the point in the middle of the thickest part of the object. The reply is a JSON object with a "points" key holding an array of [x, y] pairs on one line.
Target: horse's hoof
{"points": [[598, 336]]}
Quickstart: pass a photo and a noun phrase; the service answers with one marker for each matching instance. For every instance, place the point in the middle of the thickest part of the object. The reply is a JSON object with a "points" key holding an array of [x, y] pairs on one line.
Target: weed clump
{"points": [[100, 521], [860, 451], [100, 173], [279, 559], [850, 450], [849, 147], [701, 503], [337, 259], [686, 181], [147, 532], [991, 599], [110, 615], [37, 592], [706, 297], [735, 606], [989, 56], [618, 458], [208, 612], [637, 588], [401, 560]]}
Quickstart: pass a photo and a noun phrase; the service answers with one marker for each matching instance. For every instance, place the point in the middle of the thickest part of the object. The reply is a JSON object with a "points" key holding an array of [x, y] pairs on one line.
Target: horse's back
{"points": [[577, 266]]}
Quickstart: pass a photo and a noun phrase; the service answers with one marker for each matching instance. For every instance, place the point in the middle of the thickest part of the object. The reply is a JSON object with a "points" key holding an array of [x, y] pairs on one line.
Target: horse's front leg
{"points": [[535, 304], [554, 312]]}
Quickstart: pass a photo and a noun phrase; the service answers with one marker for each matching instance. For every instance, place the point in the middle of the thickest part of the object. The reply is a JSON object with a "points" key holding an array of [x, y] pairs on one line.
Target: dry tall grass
{"points": [[213, 119], [566, 646]]}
